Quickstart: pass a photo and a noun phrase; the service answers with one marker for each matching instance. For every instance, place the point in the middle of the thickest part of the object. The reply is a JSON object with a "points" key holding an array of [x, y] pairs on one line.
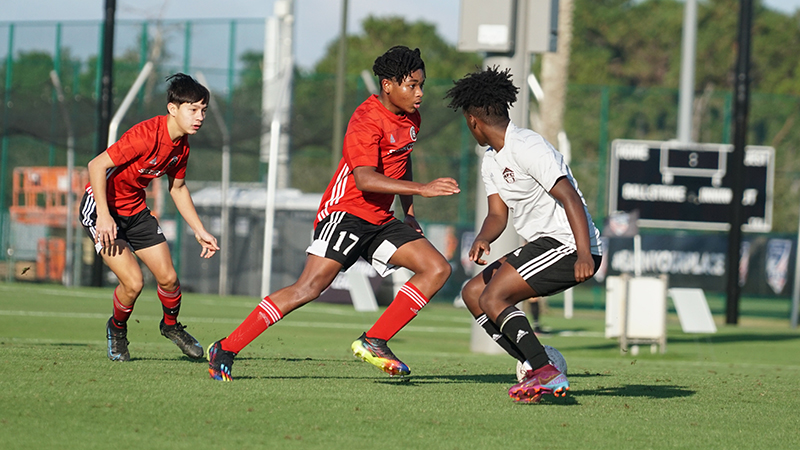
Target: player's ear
{"points": [[472, 121], [172, 108], [386, 85]]}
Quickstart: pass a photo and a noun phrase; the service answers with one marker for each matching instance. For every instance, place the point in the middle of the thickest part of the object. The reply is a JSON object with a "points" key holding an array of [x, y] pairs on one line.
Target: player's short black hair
{"points": [[486, 94], [397, 63], [185, 89]]}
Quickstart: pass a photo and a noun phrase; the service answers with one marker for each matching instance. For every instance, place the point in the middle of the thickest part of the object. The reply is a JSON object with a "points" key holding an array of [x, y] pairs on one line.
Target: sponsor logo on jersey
{"points": [[508, 175], [172, 162], [402, 149], [392, 139], [158, 173], [154, 161]]}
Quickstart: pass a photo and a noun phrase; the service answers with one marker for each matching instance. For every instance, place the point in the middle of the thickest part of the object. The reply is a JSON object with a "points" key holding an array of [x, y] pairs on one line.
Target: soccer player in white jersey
{"points": [[525, 178]]}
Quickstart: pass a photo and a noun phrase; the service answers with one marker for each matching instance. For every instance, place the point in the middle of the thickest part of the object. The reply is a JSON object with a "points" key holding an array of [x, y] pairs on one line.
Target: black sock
{"points": [[517, 329], [118, 324], [497, 336]]}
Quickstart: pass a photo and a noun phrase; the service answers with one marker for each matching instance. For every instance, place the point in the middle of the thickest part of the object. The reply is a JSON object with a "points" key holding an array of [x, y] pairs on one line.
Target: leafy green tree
{"points": [[440, 147]]}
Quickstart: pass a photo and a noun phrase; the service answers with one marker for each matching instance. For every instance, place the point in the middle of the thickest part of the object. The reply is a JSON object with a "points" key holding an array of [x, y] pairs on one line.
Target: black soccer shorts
{"points": [[140, 230], [344, 237], [547, 265]]}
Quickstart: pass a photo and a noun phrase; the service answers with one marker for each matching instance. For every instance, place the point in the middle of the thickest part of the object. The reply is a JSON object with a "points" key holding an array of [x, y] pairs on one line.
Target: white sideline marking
{"points": [[288, 323], [188, 319]]}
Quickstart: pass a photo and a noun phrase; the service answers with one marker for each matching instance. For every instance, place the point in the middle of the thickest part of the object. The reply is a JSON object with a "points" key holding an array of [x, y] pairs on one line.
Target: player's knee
{"points": [[472, 291], [132, 287], [440, 271], [169, 282], [489, 302]]}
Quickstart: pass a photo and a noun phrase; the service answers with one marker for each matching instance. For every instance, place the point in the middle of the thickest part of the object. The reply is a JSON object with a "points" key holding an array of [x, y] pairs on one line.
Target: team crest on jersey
{"points": [[413, 134], [508, 175], [172, 161]]}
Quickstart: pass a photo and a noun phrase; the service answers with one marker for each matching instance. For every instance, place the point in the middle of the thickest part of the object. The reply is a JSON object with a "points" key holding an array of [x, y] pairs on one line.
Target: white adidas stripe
{"points": [[88, 209], [336, 193], [330, 227], [274, 314], [164, 293], [543, 261], [415, 296], [516, 313]]}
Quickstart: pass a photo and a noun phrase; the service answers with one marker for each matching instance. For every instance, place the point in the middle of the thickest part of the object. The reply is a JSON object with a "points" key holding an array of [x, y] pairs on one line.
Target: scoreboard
{"points": [[687, 185]]}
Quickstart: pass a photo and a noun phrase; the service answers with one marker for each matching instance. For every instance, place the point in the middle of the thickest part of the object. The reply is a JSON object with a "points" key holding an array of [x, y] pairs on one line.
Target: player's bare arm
{"points": [[369, 180], [565, 193], [493, 226], [106, 228], [183, 202]]}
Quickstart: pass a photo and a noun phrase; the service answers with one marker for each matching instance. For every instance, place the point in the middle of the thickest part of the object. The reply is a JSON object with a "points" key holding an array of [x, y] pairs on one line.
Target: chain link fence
{"points": [[229, 54]]}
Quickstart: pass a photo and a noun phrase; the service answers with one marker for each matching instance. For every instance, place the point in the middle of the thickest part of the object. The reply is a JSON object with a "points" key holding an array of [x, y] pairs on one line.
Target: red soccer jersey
{"points": [[143, 153], [376, 138]]}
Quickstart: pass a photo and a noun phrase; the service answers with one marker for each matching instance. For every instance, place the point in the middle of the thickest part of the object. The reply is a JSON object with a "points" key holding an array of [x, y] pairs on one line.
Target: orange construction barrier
{"points": [[40, 195], [50, 259]]}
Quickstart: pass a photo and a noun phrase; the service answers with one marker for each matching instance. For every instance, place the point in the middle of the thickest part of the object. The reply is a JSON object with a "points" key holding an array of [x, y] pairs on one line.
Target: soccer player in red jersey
{"points": [[355, 220], [114, 213]]}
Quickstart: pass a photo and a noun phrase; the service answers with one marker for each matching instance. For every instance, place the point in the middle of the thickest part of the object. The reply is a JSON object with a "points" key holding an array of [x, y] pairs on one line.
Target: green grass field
{"points": [[298, 386]]}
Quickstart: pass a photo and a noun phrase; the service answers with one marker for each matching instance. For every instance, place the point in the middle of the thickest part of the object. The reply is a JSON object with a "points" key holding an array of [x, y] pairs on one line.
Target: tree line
{"points": [[623, 78]]}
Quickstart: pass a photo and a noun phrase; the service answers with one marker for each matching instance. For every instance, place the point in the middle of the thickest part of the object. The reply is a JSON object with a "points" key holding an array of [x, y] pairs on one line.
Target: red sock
{"points": [[170, 304], [404, 307], [265, 314], [121, 312]]}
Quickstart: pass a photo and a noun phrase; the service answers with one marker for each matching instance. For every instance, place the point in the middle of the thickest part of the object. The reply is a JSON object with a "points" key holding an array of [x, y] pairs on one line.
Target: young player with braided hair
{"points": [[355, 220], [528, 178]]}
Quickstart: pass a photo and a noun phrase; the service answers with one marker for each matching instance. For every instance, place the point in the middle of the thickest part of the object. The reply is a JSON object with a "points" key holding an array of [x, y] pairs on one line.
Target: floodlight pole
{"points": [[104, 104], [225, 231], [740, 110], [69, 267], [519, 61], [796, 286], [272, 181], [338, 108], [686, 94]]}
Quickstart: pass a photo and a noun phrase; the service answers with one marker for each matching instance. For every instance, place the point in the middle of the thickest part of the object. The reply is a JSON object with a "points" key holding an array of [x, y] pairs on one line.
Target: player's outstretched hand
{"points": [[440, 187], [584, 268], [208, 242], [479, 248]]}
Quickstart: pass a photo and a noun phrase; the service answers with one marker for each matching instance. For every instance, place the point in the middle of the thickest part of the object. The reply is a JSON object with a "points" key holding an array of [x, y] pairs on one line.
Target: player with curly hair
{"points": [[355, 220], [527, 178]]}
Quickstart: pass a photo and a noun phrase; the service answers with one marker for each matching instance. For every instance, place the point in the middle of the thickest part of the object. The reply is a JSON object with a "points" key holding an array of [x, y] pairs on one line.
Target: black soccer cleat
{"points": [[220, 362], [188, 345], [117, 342]]}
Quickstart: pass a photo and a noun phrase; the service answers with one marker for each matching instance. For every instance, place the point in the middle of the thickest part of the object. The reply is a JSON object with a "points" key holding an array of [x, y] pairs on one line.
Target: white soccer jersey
{"points": [[523, 173]]}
